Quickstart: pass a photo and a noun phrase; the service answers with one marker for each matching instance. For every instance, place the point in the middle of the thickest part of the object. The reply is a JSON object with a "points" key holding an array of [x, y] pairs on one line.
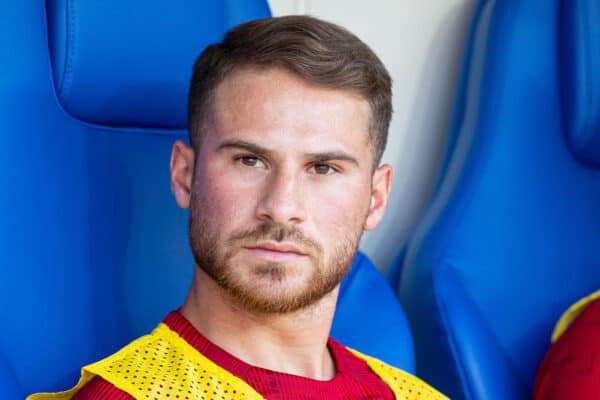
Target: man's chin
{"points": [[275, 303], [291, 271], [264, 287], [273, 292]]}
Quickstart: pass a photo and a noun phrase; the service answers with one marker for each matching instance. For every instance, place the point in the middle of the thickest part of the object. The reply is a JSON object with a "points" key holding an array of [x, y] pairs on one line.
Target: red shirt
{"points": [[571, 368], [353, 380]]}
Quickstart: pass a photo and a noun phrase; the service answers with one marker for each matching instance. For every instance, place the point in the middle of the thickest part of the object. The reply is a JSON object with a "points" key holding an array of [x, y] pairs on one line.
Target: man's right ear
{"points": [[182, 172]]}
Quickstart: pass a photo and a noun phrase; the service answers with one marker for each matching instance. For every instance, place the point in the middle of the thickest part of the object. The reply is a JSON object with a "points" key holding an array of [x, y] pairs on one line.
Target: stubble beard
{"points": [[216, 260]]}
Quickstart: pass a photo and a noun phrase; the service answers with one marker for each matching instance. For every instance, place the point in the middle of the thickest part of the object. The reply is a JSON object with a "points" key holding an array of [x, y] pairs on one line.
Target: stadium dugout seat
{"points": [[93, 248], [512, 236]]}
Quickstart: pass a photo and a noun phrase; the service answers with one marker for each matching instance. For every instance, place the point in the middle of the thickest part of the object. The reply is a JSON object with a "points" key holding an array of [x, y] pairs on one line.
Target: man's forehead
{"points": [[270, 98], [268, 82]]}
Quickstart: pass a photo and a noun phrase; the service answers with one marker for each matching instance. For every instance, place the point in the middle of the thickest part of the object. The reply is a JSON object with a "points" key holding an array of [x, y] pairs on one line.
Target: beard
{"points": [[216, 257]]}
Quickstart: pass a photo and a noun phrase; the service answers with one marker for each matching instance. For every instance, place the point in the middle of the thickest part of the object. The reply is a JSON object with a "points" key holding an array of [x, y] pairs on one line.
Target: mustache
{"points": [[277, 233]]}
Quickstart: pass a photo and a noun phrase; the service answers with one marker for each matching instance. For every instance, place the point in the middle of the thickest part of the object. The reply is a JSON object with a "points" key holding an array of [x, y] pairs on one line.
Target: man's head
{"points": [[288, 120], [319, 52]]}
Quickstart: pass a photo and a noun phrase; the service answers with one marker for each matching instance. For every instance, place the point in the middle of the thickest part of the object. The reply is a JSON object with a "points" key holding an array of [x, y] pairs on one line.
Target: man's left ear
{"points": [[380, 190]]}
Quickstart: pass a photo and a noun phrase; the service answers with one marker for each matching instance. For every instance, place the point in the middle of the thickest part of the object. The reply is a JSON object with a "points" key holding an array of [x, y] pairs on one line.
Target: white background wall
{"points": [[421, 42]]}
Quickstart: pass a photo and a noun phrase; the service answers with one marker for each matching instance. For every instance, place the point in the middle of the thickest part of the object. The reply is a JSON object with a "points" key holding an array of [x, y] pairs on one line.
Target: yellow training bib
{"points": [[163, 366]]}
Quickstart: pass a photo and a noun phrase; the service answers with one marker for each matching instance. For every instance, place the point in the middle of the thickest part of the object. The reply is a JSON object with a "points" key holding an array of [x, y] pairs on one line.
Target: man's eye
{"points": [[250, 161], [323, 169]]}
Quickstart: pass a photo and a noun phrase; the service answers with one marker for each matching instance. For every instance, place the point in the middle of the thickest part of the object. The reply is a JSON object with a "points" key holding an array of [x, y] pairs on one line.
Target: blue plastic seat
{"points": [[512, 236], [93, 248]]}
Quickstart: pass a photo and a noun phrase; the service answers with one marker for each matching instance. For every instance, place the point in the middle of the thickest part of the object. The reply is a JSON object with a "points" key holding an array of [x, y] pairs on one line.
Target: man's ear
{"points": [[380, 190], [182, 172]]}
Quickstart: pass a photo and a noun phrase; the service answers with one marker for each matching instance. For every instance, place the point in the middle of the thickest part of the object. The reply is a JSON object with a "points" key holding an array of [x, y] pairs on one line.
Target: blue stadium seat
{"points": [[512, 236], [93, 248], [394, 274]]}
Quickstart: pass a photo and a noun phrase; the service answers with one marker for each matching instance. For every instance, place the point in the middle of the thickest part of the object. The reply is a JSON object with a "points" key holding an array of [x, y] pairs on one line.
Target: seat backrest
{"points": [[472, 55], [93, 248], [513, 234]]}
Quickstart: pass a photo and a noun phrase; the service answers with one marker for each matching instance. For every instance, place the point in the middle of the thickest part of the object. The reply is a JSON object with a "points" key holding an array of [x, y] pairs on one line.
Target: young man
{"points": [[288, 119]]}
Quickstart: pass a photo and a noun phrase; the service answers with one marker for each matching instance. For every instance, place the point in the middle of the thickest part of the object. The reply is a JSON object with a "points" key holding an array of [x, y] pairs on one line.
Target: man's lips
{"points": [[275, 251]]}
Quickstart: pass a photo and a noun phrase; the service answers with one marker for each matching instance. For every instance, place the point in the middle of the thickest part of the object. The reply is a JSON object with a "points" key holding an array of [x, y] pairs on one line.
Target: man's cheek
{"points": [[223, 198], [342, 212]]}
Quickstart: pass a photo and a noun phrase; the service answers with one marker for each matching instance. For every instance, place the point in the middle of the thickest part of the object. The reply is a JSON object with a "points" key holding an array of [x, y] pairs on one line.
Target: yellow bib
{"points": [[163, 366]]}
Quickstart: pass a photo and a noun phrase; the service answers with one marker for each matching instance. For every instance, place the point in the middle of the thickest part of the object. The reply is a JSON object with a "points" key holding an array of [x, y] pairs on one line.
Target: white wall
{"points": [[421, 42]]}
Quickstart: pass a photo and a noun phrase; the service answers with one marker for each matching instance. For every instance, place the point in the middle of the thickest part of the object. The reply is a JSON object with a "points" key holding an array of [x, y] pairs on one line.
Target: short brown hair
{"points": [[319, 52]]}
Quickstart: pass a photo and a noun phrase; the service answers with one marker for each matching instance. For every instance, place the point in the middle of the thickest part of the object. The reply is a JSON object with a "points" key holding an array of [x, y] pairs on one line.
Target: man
{"points": [[288, 119]]}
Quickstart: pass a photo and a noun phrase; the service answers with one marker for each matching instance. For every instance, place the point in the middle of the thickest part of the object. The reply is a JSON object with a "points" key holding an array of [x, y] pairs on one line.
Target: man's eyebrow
{"points": [[259, 150], [333, 156], [243, 145]]}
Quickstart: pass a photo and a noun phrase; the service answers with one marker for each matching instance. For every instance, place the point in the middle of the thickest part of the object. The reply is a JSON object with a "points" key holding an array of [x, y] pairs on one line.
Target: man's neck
{"points": [[293, 343]]}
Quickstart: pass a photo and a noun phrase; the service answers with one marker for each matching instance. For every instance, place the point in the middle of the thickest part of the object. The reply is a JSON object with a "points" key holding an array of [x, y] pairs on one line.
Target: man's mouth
{"points": [[275, 251]]}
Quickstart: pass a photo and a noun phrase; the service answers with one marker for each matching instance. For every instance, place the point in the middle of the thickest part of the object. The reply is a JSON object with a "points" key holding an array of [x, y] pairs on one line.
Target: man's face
{"points": [[282, 190]]}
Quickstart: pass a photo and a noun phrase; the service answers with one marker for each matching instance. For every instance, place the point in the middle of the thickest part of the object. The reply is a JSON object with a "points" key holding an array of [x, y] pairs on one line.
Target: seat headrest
{"points": [[579, 45], [128, 63]]}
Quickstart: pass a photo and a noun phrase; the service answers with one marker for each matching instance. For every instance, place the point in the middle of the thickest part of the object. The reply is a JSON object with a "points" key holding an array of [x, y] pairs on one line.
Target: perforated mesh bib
{"points": [[163, 366]]}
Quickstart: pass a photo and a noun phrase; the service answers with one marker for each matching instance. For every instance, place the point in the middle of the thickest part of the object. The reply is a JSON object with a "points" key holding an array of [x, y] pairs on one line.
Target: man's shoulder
{"points": [[164, 365], [404, 385], [160, 365]]}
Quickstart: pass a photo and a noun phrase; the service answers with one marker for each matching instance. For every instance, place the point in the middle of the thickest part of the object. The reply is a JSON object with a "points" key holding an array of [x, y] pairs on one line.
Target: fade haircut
{"points": [[319, 52]]}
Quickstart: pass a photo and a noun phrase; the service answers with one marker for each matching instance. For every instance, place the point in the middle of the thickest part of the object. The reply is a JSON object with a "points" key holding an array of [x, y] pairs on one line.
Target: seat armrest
{"points": [[369, 317]]}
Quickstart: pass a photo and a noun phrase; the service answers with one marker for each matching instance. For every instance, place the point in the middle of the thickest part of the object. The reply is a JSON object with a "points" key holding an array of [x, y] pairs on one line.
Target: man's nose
{"points": [[282, 200]]}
